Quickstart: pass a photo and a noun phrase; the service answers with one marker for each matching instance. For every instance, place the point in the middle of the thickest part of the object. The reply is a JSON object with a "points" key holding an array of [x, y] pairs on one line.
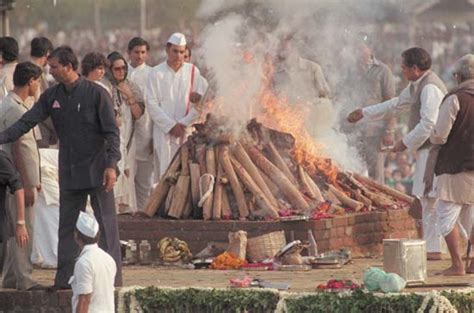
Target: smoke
{"points": [[242, 34]]}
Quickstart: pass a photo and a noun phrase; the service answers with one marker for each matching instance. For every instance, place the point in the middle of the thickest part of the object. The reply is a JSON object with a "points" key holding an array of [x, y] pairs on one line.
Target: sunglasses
{"points": [[120, 68]]}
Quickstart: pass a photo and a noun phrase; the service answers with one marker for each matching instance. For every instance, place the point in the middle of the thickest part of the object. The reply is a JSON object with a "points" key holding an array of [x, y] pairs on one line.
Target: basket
{"points": [[265, 246]]}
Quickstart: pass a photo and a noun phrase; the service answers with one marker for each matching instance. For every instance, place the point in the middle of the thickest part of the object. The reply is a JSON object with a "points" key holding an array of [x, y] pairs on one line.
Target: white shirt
{"points": [[94, 273], [166, 97], [143, 127], [431, 97]]}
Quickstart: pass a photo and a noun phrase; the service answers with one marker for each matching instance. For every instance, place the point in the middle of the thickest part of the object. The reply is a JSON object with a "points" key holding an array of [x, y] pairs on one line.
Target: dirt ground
{"points": [[299, 281]]}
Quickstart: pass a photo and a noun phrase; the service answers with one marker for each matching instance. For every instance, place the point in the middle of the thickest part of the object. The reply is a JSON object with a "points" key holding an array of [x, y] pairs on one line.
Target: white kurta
{"points": [[166, 97], [431, 97]]}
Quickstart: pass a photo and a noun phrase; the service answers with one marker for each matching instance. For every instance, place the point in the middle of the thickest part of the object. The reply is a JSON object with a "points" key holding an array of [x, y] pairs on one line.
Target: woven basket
{"points": [[265, 246]]}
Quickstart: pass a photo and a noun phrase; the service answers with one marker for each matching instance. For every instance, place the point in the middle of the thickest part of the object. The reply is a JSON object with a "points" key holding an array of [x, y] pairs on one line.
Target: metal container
{"points": [[131, 256], [406, 258], [145, 252]]}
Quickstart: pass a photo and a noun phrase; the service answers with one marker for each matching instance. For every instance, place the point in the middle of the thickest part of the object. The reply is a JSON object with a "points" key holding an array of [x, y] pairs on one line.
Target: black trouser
{"points": [[70, 203]]}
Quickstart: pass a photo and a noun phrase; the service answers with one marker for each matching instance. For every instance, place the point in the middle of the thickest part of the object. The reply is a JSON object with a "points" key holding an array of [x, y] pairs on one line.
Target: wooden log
{"points": [[195, 173], [244, 159], [185, 159], [331, 197], [211, 169], [289, 190], [386, 189], [188, 209], [262, 202], [234, 183], [169, 199], [180, 197], [271, 185], [305, 185], [314, 186], [357, 195], [205, 182], [161, 190], [217, 201], [346, 200], [278, 161], [200, 153], [226, 210]]}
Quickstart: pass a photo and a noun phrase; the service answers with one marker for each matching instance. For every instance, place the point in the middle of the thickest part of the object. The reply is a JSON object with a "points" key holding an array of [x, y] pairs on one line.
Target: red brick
{"points": [[323, 245], [350, 220], [321, 224], [348, 230], [321, 234], [340, 221], [341, 231], [363, 239], [349, 241], [336, 243]]}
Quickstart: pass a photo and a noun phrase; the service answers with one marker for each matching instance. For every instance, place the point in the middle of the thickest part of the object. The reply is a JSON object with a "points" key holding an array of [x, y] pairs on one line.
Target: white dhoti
{"points": [[428, 203], [450, 214], [45, 238]]}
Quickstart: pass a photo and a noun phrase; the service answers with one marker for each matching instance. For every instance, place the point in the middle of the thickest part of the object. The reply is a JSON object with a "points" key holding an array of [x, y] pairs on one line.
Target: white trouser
{"points": [[450, 213], [430, 219], [143, 182]]}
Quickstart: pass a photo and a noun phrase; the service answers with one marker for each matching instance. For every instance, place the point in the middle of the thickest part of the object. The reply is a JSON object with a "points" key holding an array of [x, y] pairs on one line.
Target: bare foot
{"points": [[453, 271]]}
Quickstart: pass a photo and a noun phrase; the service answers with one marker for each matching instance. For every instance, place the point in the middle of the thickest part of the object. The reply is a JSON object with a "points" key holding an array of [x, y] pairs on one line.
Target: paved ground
{"points": [[299, 281]]}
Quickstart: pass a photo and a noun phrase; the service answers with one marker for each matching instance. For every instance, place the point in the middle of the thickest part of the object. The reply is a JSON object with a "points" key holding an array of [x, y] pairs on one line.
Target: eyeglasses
{"points": [[120, 68]]}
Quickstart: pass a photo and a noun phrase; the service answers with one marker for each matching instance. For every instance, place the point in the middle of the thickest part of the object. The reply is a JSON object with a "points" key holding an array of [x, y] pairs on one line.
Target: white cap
{"points": [[87, 224], [177, 39]]}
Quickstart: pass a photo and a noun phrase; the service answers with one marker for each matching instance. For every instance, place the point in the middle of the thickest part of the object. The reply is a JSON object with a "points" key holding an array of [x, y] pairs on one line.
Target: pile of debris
{"points": [[255, 175]]}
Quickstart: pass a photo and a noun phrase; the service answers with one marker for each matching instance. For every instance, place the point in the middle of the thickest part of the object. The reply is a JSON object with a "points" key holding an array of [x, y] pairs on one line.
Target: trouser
{"points": [[143, 182], [71, 202], [17, 266], [374, 158], [430, 222]]}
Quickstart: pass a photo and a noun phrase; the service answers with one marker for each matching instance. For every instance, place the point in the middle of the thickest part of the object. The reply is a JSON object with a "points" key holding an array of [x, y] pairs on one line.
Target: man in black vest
{"points": [[84, 120], [422, 97], [453, 137]]}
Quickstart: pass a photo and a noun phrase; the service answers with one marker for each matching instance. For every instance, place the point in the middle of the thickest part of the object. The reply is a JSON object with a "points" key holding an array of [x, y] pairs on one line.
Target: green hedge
{"points": [[153, 299]]}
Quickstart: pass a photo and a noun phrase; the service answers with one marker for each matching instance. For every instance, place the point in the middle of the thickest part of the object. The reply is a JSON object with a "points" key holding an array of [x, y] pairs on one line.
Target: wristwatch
{"points": [[20, 222]]}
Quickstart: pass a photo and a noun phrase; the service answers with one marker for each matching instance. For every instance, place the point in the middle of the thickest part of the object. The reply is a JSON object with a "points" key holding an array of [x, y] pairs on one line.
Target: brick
{"points": [[323, 245], [23, 299], [64, 298], [319, 225], [348, 230], [349, 242], [351, 220], [340, 221], [336, 243], [321, 234], [363, 239]]}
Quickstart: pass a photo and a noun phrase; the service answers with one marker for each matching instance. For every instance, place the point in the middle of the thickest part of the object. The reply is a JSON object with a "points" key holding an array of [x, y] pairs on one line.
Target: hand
{"points": [[22, 237], [399, 147], [355, 116], [30, 196], [194, 97], [110, 178], [126, 172], [178, 130], [125, 89], [387, 141]]}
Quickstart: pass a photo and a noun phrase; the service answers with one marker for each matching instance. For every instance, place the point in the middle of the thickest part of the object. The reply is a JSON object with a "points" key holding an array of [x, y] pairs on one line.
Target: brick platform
{"points": [[362, 233]]}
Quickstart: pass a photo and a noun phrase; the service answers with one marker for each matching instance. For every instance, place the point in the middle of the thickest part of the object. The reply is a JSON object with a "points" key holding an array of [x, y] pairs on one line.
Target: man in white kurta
{"points": [[138, 72], [426, 90], [94, 271], [172, 89]]}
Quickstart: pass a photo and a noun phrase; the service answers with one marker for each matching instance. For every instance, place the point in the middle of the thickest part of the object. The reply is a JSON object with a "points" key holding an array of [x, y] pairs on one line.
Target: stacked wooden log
{"points": [[217, 175]]}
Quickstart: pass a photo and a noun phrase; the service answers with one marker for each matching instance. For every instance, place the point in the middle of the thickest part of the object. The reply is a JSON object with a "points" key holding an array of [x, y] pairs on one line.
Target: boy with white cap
{"points": [[172, 88], [94, 272]]}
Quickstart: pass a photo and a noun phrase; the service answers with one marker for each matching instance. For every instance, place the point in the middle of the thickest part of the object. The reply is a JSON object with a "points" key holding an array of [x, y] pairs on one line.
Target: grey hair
{"points": [[464, 67]]}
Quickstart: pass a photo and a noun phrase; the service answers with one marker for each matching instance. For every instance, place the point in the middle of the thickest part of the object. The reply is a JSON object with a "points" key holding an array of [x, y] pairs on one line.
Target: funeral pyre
{"points": [[261, 173]]}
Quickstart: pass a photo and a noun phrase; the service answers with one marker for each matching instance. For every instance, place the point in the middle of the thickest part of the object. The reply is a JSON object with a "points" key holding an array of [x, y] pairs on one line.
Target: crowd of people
{"points": [[109, 126]]}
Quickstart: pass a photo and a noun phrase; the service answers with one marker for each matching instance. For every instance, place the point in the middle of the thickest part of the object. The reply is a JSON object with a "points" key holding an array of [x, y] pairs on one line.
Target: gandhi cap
{"points": [[177, 39], [87, 224]]}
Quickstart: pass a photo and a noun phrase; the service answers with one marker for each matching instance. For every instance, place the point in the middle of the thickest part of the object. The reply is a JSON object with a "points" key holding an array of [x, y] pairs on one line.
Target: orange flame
{"points": [[283, 116]]}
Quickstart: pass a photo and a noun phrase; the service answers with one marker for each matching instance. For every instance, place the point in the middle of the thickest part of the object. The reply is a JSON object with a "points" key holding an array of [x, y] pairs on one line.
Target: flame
{"points": [[279, 114]]}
